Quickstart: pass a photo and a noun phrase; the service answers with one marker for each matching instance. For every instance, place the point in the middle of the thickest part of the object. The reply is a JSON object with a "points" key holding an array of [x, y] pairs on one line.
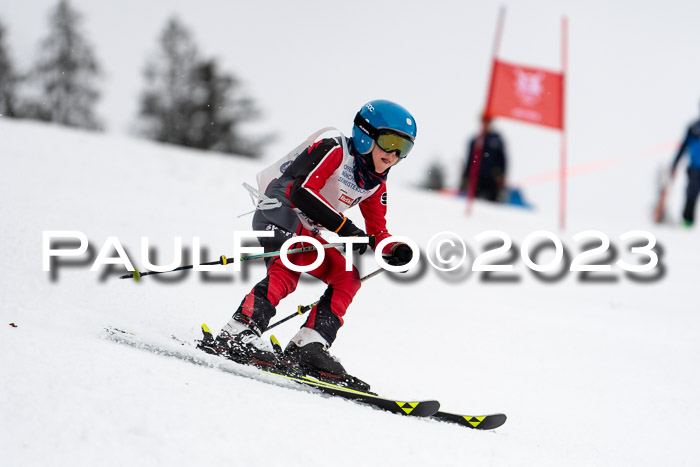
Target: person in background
{"points": [[691, 145], [492, 168]]}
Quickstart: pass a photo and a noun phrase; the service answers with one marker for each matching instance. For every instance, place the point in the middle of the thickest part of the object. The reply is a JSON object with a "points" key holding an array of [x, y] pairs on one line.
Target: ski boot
{"points": [[239, 341], [308, 351]]}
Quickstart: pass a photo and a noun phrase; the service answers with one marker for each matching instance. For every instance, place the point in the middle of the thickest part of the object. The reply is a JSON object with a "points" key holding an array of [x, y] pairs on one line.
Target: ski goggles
{"points": [[390, 141]]}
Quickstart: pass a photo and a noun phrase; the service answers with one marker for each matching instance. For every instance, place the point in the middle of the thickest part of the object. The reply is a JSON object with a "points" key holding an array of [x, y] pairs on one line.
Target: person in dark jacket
{"points": [[691, 145], [492, 166]]}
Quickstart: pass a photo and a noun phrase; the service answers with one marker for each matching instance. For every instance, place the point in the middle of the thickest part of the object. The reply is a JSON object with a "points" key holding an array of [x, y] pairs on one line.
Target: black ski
{"points": [[185, 350], [476, 422], [423, 408], [414, 408]]}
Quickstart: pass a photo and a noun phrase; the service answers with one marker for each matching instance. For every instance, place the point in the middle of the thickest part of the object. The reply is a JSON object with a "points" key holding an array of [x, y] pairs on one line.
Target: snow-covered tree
{"points": [[218, 112], [189, 101], [65, 73], [8, 79], [166, 101]]}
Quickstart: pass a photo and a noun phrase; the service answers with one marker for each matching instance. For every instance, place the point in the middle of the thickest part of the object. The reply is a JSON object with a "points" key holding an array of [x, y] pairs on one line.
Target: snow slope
{"points": [[589, 372]]}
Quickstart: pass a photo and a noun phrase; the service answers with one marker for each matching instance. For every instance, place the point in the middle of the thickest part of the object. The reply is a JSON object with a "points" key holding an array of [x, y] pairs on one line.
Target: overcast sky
{"points": [[634, 73]]}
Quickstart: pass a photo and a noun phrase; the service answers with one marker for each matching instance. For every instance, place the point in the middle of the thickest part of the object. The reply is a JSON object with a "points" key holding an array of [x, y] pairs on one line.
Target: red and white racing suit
{"points": [[315, 190]]}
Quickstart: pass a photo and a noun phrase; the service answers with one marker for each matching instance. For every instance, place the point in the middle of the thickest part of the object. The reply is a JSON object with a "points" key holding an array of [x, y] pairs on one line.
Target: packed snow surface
{"points": [[597, 369]]}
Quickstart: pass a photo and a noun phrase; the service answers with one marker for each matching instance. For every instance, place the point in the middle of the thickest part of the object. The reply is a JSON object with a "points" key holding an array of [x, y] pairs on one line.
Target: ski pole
{"points": [[223, 260], [301, 309]]}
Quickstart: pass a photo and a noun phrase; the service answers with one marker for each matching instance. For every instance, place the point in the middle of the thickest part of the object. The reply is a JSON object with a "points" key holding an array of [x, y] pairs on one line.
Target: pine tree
{"points": [[166, 103], [218, 112], [8, 80], [65, 73], [188, 101]]}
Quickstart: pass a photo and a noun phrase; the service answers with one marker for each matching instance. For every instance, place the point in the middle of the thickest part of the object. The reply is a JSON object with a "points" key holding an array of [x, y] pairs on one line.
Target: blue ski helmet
{"points": [[386, 123]]}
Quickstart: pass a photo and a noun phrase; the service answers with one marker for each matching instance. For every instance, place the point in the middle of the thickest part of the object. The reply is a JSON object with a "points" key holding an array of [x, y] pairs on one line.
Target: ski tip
{"points": [[137, 275], [489, 422], [477, 422], [205, 329]]}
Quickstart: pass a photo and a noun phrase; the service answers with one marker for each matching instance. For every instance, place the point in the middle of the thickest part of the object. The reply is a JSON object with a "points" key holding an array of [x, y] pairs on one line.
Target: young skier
{"points": [[327, 178]]}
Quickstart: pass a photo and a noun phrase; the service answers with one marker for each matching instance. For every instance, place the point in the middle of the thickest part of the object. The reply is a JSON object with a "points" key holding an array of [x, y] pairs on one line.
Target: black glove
{"points": [[401, 254], [349, 229]]}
